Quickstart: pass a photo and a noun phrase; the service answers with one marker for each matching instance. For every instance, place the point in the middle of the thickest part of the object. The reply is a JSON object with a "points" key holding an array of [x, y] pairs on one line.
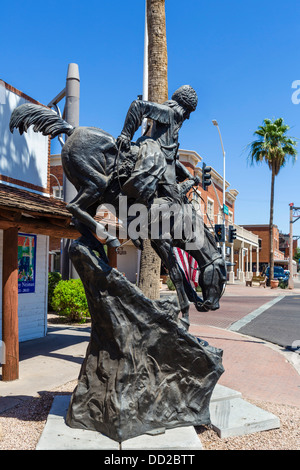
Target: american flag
{"points": [[188, 265]]}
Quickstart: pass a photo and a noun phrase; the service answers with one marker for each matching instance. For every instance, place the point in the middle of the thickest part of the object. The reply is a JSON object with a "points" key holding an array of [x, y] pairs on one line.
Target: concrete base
{"points": [[230, 416], [231, 277], [58, 436]]}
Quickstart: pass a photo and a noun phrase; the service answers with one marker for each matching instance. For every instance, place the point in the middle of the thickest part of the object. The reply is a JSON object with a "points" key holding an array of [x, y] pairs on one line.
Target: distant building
{"points": [[284, 244], [280, 246]]}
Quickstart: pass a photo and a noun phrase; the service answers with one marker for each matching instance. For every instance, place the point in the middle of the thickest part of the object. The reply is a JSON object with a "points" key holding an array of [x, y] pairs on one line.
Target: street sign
{"points": [[225, 209]]}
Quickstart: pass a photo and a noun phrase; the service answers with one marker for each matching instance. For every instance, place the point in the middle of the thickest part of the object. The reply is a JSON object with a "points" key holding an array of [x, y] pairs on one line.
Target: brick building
{"points": [[263, 233]]}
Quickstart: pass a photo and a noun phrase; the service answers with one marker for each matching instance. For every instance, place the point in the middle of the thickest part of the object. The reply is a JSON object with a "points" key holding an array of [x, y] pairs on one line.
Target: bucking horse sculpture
{"points": [[147, 171]]}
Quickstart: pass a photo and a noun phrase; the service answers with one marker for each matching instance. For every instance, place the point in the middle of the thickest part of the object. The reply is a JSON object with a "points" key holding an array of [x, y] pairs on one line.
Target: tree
{"points": [[273, 147], [150, 264]]}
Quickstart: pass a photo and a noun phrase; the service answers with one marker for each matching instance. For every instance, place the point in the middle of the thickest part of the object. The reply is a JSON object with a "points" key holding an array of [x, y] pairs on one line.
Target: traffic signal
{"points": [[220, 232], [206, 176], [231, 234]]}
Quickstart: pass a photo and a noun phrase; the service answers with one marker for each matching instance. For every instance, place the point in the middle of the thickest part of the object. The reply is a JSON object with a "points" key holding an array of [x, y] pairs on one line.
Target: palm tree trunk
{"points": [[157, 51], [150, 264], [271, 226]]}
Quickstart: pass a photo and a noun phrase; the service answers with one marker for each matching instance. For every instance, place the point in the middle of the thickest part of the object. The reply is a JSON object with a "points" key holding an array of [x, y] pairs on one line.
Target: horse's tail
{"points": [[43, 119]]}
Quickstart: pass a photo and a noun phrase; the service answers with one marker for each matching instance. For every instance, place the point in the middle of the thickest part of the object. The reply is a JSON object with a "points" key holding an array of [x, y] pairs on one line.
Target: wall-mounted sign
{"points": [[26, 263], [24, 158]]}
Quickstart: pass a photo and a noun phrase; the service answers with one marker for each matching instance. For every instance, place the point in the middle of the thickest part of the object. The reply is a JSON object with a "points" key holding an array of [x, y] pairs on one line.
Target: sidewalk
{"points": [[257, 369]]}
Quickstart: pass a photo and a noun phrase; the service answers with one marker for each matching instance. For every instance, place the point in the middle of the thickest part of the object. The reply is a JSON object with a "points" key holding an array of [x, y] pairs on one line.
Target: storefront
{"points": [[28, 216]]}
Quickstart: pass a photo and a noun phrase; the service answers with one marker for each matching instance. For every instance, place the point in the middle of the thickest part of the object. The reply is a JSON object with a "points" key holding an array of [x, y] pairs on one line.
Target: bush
{"points": [[170, 284], [53, 280], [283, 285], [69, 300], [172, 287]]}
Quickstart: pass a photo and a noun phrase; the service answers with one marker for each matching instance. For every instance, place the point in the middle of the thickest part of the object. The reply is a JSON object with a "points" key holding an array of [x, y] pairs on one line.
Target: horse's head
{"points": [[212, 279]]}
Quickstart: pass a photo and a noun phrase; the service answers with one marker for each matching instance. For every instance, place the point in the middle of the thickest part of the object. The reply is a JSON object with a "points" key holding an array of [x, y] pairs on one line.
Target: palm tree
{"points": [[273, 147], [150, 264]]}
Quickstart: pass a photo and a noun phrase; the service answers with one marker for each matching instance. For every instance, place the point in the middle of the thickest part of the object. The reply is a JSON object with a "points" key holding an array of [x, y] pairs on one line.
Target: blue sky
{"points": [[241, 57]]}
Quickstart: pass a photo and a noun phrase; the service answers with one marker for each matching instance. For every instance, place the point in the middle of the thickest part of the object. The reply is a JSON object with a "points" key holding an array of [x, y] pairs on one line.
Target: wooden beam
{"points": [[10, 330], [40, 227], [13, 216]]}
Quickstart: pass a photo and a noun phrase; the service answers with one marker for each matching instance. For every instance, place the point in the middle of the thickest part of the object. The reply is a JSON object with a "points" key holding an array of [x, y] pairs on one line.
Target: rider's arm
{"points": [[140, 110], [182, 172]]}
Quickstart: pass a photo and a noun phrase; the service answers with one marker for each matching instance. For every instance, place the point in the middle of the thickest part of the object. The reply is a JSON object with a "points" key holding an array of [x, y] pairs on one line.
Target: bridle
{"points": [[201, 268]]}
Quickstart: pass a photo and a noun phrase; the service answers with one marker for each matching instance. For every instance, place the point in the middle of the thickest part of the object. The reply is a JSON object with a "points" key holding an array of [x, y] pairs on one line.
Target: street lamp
{"points": [[215, 123]]}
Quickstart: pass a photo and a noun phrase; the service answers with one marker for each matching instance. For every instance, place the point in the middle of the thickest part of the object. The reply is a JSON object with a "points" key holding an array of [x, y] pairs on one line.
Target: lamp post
{"points": [[215, 123]]}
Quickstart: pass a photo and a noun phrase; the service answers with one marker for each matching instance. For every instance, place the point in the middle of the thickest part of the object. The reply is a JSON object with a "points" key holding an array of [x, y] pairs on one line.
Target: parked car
{"points": [[279, 274]]}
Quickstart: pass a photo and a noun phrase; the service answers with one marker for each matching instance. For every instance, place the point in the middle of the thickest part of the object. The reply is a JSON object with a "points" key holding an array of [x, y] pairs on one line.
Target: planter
{"points": [[274, 284]]}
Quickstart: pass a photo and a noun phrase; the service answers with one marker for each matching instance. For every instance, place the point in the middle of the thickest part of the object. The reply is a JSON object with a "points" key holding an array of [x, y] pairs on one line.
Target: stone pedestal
{"points": [[142, 369]]}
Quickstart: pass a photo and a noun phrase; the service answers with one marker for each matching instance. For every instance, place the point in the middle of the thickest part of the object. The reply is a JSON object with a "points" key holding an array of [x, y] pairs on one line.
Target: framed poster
{"points": [[26, 263]]}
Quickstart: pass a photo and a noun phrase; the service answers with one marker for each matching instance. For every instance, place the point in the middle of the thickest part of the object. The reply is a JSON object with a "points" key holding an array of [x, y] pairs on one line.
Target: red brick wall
{"points": [[263, 233]]}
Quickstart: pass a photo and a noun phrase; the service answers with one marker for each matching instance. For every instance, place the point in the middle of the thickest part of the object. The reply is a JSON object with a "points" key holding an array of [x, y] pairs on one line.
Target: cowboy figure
{"points": [[157, 170]]}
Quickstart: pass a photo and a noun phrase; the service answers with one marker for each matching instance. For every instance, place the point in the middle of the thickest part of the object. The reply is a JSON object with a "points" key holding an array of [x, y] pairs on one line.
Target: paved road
{"points": [[262, 313], [279, 324]]}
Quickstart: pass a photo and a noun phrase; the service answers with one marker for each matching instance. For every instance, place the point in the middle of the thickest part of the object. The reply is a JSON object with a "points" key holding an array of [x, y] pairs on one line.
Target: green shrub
{"points": [[170, 284], [53, 280], [283, 285], [69, 300]]}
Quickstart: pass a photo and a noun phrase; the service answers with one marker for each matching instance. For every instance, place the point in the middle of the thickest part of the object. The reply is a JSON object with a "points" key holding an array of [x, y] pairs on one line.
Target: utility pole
{"points": [[294, 216], [291, 281]]}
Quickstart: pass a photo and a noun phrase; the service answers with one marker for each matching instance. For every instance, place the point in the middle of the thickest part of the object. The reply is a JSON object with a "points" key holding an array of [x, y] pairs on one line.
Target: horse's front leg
{"points": [[79, 208], [165, 252]]}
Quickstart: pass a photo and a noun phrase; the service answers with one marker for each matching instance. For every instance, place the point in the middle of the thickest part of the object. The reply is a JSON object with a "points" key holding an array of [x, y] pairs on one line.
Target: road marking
{"points": [[248, 318]]}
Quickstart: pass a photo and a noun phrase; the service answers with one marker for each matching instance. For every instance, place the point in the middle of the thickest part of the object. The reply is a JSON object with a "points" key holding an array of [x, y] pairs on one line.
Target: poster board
{"points": [[26, 263]]}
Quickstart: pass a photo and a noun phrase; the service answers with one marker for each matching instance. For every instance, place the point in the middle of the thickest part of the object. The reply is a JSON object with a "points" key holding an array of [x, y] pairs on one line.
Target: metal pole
{"points": [[72, 117], [224, 188], [291, 281]]}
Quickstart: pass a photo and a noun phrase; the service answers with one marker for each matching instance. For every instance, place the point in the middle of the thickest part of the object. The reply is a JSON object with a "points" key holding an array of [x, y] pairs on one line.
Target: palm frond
{"points": [[273, 145]]}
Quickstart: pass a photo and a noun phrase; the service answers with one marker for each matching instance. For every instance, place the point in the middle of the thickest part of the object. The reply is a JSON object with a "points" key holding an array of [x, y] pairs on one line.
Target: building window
{"points": [[230, 217], [196, 201], [210, 210], [57, 192]]}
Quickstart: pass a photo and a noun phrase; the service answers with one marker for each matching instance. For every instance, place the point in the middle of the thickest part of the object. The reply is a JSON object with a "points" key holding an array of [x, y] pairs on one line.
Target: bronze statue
{"points": [[102, 168], [143, 369]]}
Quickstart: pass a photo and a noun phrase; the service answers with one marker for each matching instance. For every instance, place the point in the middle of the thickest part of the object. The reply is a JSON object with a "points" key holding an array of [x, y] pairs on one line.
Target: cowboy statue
{"points": [[157, 169]]}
